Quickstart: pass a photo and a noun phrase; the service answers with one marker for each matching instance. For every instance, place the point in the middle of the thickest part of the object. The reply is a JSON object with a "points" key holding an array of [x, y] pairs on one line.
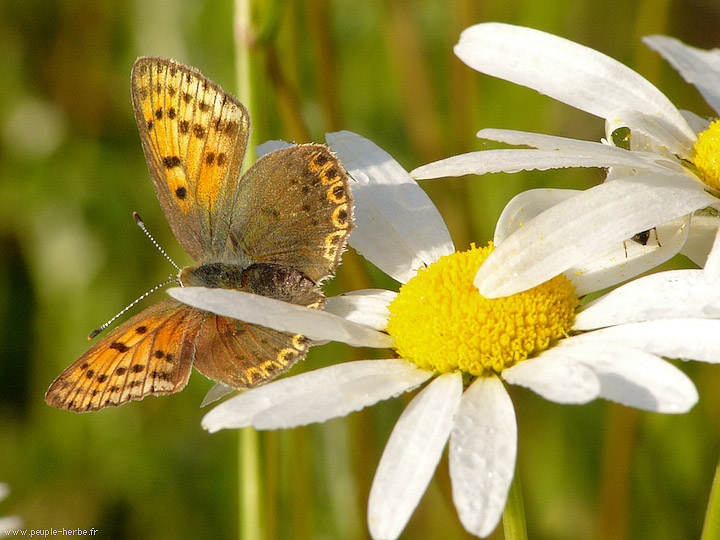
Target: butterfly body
{"points": [[278, 231], [272, 280]]}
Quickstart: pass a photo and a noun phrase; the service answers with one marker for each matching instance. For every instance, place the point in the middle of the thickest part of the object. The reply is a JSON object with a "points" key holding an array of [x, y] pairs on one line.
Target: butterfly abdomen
{"points": [[266, 279], [242, 355], [213, 275]]}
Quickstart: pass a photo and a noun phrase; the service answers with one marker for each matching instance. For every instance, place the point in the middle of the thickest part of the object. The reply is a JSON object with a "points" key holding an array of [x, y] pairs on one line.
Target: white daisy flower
{"points": [[467, 347], [668, 154], [8, 523]]}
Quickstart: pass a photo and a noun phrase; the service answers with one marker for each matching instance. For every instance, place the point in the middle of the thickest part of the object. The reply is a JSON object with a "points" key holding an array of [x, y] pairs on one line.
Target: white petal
{"points": [[712, 265], [509, 161], [10, 523], [218, 391], [686, 339], [703, 230], [315, 324], [696, 122], [411, 456], [654, 129], [575, 230], [566, 71], [665, 295], [271, 146], [629, 258], [368, 307], [483, 446], [317, 395], [398, 227], [635, 378], [698, 67], [616, 265], [635, 142], [542, 141], [567, 153], [557, 376], [589, 152], [647, 158], [525, 206]]}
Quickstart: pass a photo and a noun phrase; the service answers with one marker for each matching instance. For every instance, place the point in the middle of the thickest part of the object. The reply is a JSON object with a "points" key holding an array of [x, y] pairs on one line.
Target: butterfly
{"points": [[278, 231]]}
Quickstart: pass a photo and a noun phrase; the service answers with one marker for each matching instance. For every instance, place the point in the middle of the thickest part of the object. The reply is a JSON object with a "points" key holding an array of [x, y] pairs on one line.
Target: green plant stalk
{"points": [[249, 479], [711, 527], [245, 68], [250, 486], [514, 526]]}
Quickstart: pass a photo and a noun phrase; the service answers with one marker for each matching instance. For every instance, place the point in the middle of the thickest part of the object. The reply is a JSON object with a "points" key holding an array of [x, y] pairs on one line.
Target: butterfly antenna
{"points": [[141, 224], [171, 279]]}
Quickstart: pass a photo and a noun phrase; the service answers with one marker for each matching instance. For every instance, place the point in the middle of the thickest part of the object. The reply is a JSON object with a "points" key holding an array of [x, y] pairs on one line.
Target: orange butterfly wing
{"points": [[151, 353], [194, 136]]}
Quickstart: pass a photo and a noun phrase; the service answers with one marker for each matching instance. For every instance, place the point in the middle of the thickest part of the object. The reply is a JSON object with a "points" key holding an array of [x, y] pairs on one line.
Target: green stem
{"points": [[613, 515], [249, 479], [249, 485], [514, 527], [711, 528], [244, 33]]}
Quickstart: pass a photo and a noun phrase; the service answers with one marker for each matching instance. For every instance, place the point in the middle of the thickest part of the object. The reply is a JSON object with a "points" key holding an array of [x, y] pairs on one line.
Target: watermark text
{"points": [[30, 533]]}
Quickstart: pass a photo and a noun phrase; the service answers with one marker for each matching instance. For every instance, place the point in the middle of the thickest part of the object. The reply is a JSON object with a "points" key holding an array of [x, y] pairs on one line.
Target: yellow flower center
{"points": [[707, 155], [441, 322]]}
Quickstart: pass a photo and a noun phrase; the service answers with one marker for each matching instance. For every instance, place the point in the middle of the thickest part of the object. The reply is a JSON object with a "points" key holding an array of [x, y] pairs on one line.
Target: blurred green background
{"points": [[72, 172]]}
